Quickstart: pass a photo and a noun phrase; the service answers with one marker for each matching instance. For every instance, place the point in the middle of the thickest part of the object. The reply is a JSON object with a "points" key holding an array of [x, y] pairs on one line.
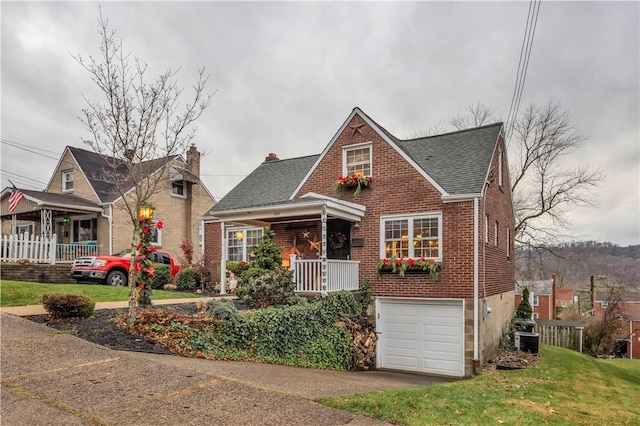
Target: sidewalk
{"points": [[48, 377], [24, 311]]}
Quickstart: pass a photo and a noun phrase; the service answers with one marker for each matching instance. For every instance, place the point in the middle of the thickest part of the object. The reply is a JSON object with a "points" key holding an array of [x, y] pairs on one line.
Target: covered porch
{"points": [[314, 232]]}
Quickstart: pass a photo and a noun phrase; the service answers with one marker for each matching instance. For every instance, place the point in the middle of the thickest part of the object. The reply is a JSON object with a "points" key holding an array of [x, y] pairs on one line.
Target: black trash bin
{"points": [[524, 324], [529, 342]]}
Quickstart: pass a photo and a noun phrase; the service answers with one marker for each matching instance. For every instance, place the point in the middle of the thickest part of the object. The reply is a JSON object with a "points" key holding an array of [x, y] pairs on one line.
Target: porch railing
{"points": [[68, 252], [341, 275], [34, 248]]}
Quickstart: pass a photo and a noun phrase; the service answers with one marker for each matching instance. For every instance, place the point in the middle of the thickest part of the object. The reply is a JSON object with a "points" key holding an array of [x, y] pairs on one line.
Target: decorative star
{"points": [[314, 244], [356, 128], [305, 234]]}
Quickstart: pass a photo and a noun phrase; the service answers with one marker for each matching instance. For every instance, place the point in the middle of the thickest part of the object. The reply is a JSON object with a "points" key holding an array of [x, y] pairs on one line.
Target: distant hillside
{"points": [[574, 263]]}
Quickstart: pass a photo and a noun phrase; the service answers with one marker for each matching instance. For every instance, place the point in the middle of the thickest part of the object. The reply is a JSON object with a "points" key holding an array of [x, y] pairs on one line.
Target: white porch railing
{"points": [[68, 252], [341, 275], [34, 248]]}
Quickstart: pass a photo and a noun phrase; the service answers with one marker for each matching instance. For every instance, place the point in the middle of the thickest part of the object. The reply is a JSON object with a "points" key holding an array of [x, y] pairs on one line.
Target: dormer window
{"points": [[356, 160], [67, 180], [178, 189]]}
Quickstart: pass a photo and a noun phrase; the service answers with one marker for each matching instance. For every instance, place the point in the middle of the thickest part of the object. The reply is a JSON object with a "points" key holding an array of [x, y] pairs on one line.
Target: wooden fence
{"points": [[565, 334], [34, 248]]}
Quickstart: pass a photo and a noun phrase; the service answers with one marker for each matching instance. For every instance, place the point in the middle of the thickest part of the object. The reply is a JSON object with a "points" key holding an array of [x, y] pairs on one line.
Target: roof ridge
{"points": [[498, 123], [290, 159]]}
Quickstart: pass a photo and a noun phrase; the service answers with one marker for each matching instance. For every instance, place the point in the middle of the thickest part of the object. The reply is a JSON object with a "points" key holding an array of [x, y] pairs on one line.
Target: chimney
{"points": [[271, 157], [193, 160], [553, 296]]}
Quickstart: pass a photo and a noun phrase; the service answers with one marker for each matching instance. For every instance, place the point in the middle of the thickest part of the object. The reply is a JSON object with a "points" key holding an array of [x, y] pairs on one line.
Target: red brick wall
{"points": [[213, 249]]}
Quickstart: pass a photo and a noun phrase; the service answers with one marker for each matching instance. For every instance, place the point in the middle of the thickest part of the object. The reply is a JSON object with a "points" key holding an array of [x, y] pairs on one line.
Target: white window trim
{"points": [[536, 300], [159, 233], [604, 305], [411, 217], [66, 173], [347, 148], [486, 228], [508, 242], [184, 190], [244, 230]]}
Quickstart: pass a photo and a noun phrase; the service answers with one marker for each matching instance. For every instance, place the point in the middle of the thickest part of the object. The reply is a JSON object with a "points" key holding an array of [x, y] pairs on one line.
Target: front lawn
{"points": [[565, 388], [22, 293]]}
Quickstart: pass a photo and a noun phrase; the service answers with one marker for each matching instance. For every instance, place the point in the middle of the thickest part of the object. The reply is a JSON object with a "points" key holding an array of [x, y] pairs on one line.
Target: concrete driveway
{"points": [[51, 378]]}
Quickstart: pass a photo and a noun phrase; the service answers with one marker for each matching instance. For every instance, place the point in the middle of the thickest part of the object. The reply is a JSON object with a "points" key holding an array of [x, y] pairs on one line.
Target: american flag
{"points": [[16, 197]]}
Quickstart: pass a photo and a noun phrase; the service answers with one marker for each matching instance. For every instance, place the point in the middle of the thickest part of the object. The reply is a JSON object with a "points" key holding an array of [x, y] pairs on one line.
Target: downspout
{"points": [[476, 356], [223, 261], [110, 220]]}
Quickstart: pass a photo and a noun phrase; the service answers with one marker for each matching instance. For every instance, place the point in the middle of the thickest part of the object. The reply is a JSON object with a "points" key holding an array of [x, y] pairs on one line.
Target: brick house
{"points": [[544, 296], [628, 309], [444, 198], [87, 215]]}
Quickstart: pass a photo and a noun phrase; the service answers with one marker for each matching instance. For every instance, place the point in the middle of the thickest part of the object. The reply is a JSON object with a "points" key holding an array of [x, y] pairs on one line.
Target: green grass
{"points": [[22, 293], [567, 388]]}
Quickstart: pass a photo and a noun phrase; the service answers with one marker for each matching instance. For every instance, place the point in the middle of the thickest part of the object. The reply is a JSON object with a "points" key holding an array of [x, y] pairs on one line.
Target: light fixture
{"points": [[239, 235], [146, 212]]}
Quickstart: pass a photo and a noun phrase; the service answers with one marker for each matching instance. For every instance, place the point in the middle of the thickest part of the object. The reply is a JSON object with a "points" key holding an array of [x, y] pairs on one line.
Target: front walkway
{"points": [[48, 377]]}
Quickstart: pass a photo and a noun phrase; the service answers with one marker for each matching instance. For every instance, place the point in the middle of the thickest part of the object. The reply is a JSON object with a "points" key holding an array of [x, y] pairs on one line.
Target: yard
{"points": [[566, 388]]}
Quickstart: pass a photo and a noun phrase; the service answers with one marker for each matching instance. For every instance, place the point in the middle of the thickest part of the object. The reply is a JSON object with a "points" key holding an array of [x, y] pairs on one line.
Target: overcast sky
{"points": [[288, 74]]}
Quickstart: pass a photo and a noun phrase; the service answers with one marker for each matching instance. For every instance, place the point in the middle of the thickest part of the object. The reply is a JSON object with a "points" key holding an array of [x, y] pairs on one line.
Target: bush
{"points": [[220, 309], [524, 309], [187, 279], [62, 305], [162, 276], [272, 288], [237, 267]]}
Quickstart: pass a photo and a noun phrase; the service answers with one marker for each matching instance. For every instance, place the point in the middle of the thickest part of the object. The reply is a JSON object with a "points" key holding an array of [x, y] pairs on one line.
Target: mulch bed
{"points": [[102, 330]]}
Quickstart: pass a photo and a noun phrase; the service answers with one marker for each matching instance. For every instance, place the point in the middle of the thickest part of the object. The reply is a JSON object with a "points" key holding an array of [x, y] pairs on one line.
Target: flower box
{"points": [[356, 181], [403, 266]]}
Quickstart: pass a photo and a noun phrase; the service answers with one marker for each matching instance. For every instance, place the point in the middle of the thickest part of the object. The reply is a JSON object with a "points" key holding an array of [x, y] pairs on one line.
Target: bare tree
{"points": [[477, 115], [139, 119]]}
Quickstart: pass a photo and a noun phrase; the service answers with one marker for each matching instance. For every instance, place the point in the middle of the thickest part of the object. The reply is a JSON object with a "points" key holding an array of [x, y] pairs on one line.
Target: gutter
{"points": [[110, 219], [476, 356]]}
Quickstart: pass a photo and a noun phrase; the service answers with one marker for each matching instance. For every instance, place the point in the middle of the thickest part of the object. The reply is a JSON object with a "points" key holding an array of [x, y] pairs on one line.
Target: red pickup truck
{"points": [[113, 270]]}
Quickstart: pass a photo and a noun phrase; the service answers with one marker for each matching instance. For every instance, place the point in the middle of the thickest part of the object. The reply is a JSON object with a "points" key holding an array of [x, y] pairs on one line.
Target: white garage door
{"points": [[425, 336]]}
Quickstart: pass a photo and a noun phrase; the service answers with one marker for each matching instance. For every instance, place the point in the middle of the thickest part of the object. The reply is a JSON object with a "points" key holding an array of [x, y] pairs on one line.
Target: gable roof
{"points": [[92, 164], [455, 163], [539, 287], [272, 182]]}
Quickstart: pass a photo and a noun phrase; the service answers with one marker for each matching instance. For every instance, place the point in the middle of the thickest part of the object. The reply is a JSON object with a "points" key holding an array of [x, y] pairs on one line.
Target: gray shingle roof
{"points": [[272, 182], [93, 164], [53, 199], [458, 161]]}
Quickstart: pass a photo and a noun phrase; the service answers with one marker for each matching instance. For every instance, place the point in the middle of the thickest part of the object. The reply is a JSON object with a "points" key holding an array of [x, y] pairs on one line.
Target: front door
{"points": [[338, 239]]}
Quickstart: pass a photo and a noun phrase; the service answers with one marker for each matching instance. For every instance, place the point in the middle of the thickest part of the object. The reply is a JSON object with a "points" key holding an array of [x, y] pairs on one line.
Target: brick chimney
{"points": [[193, 160], [271, 157], [553, 296]]}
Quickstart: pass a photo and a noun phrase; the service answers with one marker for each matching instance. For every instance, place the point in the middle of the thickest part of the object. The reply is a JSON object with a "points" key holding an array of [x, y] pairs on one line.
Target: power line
{"points": [[33, 151], [523, 64], [15, 175]]}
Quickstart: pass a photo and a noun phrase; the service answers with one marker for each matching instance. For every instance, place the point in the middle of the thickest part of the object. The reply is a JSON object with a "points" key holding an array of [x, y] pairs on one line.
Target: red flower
{"points": [[398, 262], [145, 230], [152, 248], [411, 262], [385, 261], [432, 262], [142, 218], [422, 259], [159, 224], [369, 178], [140, 287], [149, 270]]}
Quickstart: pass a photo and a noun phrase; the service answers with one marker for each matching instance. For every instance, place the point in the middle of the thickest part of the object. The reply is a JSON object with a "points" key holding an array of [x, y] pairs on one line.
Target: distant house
{"points": [[628, 308], [86, 213], [545, 298], [370, 198]]}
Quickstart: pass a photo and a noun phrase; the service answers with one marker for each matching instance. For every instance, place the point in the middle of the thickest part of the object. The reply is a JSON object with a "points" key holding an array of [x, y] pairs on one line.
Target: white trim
{"points": [[355, 146], [64, 174], [459, 198], [410, 218], [184, 190]]}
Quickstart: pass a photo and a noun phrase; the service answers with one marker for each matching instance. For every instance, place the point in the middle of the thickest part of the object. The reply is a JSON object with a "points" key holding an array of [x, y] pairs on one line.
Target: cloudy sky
{"points": [[287, 75]]}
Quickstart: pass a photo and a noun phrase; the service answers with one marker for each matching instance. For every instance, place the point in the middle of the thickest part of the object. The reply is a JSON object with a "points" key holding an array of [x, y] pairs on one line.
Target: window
{"points": [[178, 189], [486, 229], [67, 180], [240, 243], [356, 159], [85, 230], [495, 233], [508, 242], [500, 159], [411, 236], [156, 235], [536, 300], [536, 315], [23, 227], [604, 305]]}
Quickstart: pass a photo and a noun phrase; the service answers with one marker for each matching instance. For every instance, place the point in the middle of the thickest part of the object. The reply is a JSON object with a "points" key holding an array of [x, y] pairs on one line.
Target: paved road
{"points": [[51, 378]]}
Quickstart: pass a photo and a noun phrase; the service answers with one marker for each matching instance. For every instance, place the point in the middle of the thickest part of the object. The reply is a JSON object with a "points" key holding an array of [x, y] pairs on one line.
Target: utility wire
{"points": [[523, 64], [33, 151]]}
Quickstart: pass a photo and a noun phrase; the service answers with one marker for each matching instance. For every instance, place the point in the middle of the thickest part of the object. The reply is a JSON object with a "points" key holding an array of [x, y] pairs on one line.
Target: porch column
{"points": [[323, 258], [223, 260], [45, 223]]}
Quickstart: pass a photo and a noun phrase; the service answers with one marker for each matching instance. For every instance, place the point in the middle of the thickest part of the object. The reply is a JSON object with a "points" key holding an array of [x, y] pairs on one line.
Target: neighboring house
{"points": [[444, 197], [628, 308], [87, 215], [544, 296]]}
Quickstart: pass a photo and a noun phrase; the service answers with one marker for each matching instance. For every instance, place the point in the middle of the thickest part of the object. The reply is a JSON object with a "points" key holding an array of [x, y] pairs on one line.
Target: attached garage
{"points": [[421, 335]]}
